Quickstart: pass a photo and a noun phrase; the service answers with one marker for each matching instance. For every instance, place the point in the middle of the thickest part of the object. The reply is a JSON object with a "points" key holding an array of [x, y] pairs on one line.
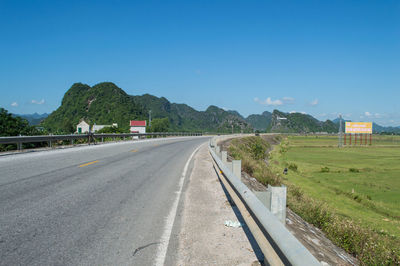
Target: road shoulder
{"points": [[203, 238]]}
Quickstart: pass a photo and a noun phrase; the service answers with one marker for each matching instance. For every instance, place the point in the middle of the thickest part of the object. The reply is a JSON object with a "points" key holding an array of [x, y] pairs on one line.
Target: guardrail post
{"points": [[276, 202], [237, 168], [72, 141], [229, 165], [218, 150], [19, 145], [224, 155]]}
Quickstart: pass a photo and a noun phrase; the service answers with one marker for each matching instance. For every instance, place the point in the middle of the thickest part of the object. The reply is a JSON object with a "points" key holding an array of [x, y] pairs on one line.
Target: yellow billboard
{"points": [[358, 128]]}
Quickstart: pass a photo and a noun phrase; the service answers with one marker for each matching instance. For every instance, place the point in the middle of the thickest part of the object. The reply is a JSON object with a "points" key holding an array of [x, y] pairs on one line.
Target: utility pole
{"points": [[340, 132], [149, 118]]}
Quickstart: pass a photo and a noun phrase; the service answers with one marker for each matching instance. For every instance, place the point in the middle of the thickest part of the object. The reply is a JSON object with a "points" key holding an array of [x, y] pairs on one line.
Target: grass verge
{"points": [[333, 190]]}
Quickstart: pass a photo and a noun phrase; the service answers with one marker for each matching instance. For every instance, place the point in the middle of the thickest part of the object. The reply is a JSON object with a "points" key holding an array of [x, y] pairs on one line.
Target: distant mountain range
{"points": [[33, 119], [105, 103], [375, 127]]}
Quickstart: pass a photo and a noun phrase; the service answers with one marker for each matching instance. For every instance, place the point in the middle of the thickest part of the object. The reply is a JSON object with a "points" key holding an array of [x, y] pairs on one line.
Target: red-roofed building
{"points": [[138, 126]]}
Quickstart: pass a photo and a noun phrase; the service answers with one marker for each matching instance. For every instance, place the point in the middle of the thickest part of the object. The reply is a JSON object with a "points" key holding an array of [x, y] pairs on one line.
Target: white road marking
{"points": [[170, 219]]}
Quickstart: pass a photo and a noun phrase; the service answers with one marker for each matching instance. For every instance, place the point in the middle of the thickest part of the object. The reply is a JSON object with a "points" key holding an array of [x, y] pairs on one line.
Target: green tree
{"points": [[159, 125], [110, 130], [15, 126]]}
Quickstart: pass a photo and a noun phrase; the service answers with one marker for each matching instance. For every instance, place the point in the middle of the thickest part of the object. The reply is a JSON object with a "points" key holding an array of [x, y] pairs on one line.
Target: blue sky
{"points": [[318, 57]]}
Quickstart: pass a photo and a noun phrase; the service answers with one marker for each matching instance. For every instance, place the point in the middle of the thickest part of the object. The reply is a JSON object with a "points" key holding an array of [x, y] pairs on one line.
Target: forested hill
{"points": [[260, 122], [299, 123], [105, 103]]}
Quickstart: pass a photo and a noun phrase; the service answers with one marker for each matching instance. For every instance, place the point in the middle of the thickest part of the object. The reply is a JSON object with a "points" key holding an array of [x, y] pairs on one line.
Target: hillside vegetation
{"points": [[102, 104], [299, 123]]}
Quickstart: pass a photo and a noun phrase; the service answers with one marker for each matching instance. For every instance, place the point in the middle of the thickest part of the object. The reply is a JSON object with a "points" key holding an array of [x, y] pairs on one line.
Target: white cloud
{"points": [[38, 102], [314, 103], [288, 100], [14, 104], [302, 112], [274, 102], [371, 115], [269, 101]]}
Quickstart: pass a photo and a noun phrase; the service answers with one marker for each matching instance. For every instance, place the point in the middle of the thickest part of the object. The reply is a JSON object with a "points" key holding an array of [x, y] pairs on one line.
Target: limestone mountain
{"points": [[105, 103], [299, 123], [260, 122], [33, 119]]}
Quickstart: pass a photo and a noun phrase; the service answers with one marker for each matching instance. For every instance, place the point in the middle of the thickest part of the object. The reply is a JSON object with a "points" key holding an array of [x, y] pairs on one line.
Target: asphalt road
{"points": [[98, 205]]}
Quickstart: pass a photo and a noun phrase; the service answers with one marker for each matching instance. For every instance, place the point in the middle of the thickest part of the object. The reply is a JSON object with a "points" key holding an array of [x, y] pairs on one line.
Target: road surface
{"points": [[99, 205]]}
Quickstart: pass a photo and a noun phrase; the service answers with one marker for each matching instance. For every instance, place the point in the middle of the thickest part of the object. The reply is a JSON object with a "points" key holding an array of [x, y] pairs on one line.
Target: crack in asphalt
{"points": [[143, 247]]}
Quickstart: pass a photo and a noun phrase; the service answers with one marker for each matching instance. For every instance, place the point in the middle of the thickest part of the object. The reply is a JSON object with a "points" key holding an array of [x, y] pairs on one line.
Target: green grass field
{"points": [[358, 182]]}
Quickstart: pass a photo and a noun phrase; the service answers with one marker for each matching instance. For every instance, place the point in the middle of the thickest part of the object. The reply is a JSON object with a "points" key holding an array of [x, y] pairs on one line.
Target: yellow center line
{"points": [[86, 164], [134, 150]]}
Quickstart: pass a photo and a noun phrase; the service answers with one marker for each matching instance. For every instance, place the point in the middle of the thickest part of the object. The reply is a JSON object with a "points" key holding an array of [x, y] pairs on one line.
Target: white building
{"points": [[98, 127], [82, 127], [138, 126]]}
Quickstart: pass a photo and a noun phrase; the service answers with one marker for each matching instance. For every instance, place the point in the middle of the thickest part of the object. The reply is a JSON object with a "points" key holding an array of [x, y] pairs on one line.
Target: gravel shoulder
{"points": [[203, 237]]}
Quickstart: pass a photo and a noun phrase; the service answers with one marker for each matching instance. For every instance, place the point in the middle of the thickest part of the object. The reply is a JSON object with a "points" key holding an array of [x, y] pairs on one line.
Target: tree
{"points": [[159, 125], [15, 126], [110, 130]]}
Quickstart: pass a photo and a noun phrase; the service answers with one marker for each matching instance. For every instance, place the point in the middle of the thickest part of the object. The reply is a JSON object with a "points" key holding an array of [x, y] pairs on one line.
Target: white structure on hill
{"points": [[82, 127]]}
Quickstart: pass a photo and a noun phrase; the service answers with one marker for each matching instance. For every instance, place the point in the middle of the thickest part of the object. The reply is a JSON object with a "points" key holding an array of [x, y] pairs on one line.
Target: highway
{"points": [[99, 205]]}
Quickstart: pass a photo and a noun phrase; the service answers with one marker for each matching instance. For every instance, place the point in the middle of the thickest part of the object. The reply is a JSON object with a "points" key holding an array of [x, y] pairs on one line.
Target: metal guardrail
{"points": [[19, 140], [282, 248]]}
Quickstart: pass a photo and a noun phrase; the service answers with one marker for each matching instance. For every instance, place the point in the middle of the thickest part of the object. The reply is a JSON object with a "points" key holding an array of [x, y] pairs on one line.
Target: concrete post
{"points": [[237, 168], [224, 157], [276, 202], [229, 165], [262, 196], [218, 151], [212, 143]]}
